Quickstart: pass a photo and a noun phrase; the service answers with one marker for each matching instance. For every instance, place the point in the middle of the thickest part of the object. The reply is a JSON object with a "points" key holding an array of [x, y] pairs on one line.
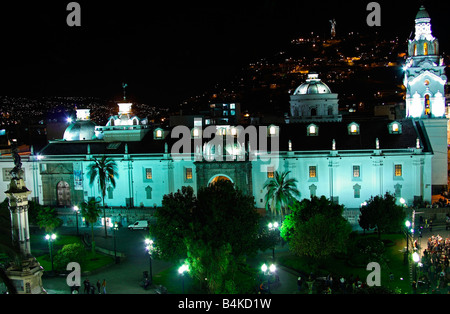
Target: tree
{"points": [[383, 214], [105, 171], [316, 228], [74, 252], [214, 231], [281, 192], [172, 221], [91, 212], [48, 219]]}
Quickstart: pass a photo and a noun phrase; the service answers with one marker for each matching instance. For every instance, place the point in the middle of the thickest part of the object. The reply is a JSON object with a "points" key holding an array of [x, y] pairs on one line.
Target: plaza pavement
{"points": [[125, 277]]}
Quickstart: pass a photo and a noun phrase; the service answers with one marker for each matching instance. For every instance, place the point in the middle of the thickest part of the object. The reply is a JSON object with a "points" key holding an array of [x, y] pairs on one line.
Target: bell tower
{"points": [[424, 72], [425, 81]]}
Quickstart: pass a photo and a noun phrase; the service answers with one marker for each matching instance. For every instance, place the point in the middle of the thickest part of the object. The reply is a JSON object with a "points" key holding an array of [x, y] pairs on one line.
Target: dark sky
{"points": [[171, 50]]}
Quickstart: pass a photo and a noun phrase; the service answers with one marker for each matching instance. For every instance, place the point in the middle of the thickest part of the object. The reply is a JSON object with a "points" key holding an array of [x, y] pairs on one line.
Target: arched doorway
{"points": [[218, 177], [63, 193]]}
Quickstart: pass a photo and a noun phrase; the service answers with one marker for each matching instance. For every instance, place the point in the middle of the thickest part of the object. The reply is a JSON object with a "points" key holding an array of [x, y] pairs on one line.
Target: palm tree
{"points": [[105, 170], [91, 212], [280, 192]]}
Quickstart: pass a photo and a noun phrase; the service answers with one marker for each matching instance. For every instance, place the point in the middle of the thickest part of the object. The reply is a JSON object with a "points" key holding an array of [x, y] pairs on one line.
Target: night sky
{"points": [[172, 50]]}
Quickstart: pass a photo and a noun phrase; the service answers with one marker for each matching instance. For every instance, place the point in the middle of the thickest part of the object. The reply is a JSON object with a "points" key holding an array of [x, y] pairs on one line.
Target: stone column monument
{"points": [[25, 272]]}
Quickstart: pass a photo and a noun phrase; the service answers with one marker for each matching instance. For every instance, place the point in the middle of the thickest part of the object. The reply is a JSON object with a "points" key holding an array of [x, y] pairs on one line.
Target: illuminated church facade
{"points": [[345, 160]]}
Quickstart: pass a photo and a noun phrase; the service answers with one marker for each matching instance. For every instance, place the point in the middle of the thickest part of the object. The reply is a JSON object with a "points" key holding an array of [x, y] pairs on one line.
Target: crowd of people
{"points": [[434, 270]]}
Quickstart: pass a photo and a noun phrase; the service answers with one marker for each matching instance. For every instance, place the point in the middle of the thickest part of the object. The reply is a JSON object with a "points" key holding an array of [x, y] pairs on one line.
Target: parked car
{"points": [[140, 224]]}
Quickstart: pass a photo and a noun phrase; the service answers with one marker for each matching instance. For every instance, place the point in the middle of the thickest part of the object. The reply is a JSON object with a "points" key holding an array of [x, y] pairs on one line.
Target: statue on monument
{"points": [[17, 171]]}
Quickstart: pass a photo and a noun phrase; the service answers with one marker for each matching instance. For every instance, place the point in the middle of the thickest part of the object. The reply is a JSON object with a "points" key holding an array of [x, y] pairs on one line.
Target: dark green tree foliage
{"points": [[47, 218], [105, 171], [213, 231], [383, 214], [90, 211], [74, 252], [316, 229], [172, 221]]}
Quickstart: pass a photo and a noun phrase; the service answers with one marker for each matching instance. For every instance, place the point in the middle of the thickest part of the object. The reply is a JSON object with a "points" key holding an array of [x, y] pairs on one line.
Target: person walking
{"points": [[99, 286], [87, 286], [104, 286]]}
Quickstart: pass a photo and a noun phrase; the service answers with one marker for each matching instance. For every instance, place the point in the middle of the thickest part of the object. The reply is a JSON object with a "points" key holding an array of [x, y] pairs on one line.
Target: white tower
{"points": [[425, 81]]}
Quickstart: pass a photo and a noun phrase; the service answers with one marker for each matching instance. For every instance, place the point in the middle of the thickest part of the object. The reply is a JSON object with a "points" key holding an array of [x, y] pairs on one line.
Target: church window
{"points": [[356, 171], [270, 171], [148, 173], [188, 174], [425, 49], [110, 190], [312, 171], [353, 129], [196, 133], [398, 170], [356, 191], [313, 112], [312, 190], [158, 134], [415, 50], [330, 111], [398, 190], [427, 105], [148, 192], [312, 130], [395, 128], [273, 130]]}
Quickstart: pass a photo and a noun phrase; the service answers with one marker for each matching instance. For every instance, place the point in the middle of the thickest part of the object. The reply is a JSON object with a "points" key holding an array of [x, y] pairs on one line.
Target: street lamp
{"points": [[50, 239], [76, 209], [408, 225], [271, 270], [149, 247], [272, 227], [115, 227], [181, 270]]}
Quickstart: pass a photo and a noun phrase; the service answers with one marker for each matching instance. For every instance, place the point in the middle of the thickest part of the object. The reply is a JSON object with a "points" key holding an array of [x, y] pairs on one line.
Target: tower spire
{"points": [[124, 85]]}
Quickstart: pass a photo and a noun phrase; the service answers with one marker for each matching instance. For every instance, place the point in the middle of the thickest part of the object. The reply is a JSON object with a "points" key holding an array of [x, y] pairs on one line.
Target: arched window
{"points": [[330, 111], [427, 105], [415, 50], [425, 49], [312, 130], [313, 112]]}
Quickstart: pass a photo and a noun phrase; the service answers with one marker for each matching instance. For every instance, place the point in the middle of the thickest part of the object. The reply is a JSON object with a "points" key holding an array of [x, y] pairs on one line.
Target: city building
{"points": [[345, 159]]}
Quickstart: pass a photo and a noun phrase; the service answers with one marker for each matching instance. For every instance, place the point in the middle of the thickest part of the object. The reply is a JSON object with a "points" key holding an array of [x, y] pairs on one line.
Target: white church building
{"points": [[345, 160]]}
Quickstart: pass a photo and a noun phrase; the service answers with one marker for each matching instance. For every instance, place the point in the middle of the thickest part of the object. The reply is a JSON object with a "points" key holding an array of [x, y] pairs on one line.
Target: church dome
{"points": [[313, 85], [422, 14], [80, 130]]}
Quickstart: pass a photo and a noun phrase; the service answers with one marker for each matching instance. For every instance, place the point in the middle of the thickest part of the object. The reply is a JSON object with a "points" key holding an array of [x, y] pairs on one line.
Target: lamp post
{"points": [[181, 270], [50, 239], [272, 227], [115, 227], [149, 247], [405, 257], [268, 271], [76, 209]]}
